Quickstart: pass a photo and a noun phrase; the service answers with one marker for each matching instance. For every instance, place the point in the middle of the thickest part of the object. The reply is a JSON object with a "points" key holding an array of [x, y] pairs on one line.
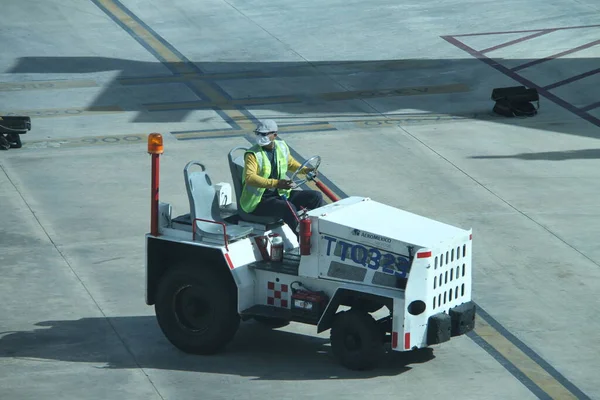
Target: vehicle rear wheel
{"points": [[272, 323], [369, 306], [356, 340], [196, 308]]}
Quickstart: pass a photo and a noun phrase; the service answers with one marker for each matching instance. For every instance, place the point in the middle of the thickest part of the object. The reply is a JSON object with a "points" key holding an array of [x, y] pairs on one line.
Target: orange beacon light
{"points": [[155, 143]]}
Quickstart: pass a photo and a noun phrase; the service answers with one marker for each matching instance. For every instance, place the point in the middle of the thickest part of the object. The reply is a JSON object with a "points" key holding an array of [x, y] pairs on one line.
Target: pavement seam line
{"points": [[501, 199], [587, 5], [79, 279]]}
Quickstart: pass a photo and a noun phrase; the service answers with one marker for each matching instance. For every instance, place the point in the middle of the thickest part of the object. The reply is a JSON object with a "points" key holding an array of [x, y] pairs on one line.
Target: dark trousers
{"points": [[277, 206]]}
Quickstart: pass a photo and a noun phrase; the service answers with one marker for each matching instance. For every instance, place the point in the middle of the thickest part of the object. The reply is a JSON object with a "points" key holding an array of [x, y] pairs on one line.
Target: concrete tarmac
{"points": [[396, 100]]}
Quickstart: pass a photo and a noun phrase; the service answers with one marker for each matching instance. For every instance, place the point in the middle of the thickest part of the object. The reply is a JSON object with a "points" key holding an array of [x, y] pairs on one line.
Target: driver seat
{"points": [[236, 167], [204, 204]]}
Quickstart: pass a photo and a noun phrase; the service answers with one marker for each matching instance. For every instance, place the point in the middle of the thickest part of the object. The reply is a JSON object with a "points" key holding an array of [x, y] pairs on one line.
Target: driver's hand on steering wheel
{"points": [[310, 169], [285, 184]]}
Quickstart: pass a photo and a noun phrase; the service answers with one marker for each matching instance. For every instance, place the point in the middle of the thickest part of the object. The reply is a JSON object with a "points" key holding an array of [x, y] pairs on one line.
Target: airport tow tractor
{"points": [[211, 268]]}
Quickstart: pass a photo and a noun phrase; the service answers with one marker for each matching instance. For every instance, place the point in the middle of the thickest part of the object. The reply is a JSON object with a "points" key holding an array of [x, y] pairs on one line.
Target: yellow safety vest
{"points": [[251, 195]]}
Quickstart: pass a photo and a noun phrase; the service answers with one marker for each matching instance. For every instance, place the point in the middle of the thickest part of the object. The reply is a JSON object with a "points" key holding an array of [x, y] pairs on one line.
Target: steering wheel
{"points": [[310, 176]]}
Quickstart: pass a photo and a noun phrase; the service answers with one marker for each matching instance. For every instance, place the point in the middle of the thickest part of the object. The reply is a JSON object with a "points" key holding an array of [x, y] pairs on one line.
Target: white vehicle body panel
{"points": [[381, 225], [442, 281], [360, 245]]}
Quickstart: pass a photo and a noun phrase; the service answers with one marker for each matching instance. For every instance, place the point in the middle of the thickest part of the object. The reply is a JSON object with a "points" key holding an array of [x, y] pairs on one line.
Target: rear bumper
{"points": [[459, 320]]}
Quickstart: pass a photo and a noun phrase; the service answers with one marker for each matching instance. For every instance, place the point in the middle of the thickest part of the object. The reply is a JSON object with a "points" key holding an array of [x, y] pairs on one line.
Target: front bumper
{"points": [[458, 321]]}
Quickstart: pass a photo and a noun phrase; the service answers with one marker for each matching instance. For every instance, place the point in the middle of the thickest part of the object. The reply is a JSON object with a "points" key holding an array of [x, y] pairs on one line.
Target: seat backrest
{"points": [[236, 167], [203, 199]]}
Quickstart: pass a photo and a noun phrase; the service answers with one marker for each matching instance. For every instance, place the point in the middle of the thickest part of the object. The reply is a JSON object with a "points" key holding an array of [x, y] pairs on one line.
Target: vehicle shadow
{"points": [[442, 89], [256, 352], [584, 154]]}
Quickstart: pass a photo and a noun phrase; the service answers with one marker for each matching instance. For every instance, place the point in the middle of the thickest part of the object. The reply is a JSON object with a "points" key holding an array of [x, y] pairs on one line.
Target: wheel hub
{"points": [[352, 342], [193, 309]]}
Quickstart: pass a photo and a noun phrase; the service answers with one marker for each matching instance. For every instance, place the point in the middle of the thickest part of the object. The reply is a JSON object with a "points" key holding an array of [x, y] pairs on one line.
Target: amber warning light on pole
{"points": [[155, 148], [155, 143]]}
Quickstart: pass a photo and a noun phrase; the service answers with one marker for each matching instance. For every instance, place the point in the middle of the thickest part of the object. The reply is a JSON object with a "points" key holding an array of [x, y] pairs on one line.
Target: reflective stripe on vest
{"points": [[251, 195]]}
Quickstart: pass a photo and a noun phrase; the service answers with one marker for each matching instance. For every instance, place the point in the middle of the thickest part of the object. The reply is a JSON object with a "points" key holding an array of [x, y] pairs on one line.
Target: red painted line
{"points": [[526, 31], [523, 81], [524, 38], [229, 261], [573, 79], [564, 53], [591, 106]]}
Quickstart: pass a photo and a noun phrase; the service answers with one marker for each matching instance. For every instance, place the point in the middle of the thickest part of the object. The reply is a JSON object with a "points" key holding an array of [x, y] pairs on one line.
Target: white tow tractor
{"points": [[215, 266]]}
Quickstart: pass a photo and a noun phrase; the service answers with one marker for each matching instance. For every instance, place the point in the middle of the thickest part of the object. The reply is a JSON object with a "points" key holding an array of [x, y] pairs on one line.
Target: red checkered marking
{"points": [[277, 294]]}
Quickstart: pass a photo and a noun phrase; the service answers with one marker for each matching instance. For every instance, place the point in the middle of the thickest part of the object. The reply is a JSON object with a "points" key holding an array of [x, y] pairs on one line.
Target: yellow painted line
{"points": [[293, 71], [156, 80], [63, 112], [45, 85], [146, 36], [169, 56], [191, 77], [241, 132], [222, 103], [275, 100], [211, 134], [387, 65], [522, 361], [332, 96], [217, 97], [420, 118], [407, 91], [132, 138]]}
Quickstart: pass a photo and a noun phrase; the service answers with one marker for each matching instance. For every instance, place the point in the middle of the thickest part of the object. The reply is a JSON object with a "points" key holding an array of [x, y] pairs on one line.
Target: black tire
{"points": [[369, 306], [272, 323], [196, 308], [357, 340]]}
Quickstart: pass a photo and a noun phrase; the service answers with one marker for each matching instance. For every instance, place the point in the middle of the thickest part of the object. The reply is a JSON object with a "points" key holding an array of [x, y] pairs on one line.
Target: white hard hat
{"points": [[266, 126]]}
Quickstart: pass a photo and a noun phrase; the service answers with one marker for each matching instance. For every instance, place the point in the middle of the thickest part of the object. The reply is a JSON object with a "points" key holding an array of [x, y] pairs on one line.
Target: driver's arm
{"points": [[252, 177], [293, 165]]}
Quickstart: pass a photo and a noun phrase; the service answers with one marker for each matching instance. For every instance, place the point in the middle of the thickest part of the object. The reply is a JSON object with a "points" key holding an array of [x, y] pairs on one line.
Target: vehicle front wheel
{"points": [[196, 308], [357, 340]]}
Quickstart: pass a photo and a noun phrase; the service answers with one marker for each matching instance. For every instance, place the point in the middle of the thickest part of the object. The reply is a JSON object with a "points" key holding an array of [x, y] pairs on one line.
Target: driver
{"points": [[264, 179]]}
